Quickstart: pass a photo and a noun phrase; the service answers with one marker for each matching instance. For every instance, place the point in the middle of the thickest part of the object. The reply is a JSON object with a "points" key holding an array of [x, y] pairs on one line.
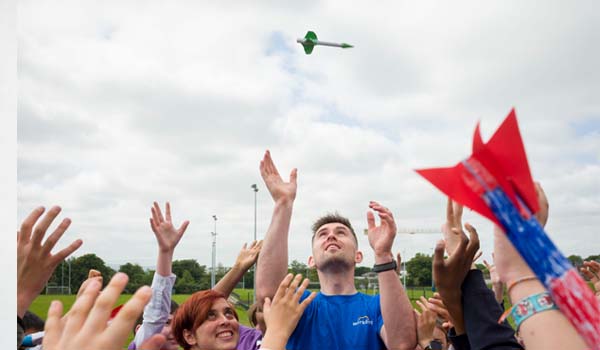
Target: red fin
{"points": [[451, 182], [507, 152], [477, 141]]}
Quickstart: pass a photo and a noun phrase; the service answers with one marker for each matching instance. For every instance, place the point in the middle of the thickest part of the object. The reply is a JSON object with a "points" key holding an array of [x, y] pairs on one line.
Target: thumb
{"points": [[438, 256], [294, 176]]}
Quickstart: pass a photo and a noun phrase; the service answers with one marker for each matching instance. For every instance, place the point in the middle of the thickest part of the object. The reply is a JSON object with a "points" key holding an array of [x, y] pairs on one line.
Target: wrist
{"points": [[284, 202], [525, 289], [383, 258]]}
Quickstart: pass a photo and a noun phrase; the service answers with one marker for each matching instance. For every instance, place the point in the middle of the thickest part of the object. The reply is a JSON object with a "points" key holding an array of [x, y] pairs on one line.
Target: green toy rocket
{"points": [[310, 41]]}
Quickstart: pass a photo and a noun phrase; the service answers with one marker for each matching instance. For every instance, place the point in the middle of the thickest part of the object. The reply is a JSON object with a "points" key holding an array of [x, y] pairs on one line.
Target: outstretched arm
{"points": [[399, 329], [156, 313], [245, 259], [272, 264]]}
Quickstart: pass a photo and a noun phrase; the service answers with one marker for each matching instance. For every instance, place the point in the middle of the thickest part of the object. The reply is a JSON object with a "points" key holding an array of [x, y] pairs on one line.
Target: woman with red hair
{"points": [[207, 321]]}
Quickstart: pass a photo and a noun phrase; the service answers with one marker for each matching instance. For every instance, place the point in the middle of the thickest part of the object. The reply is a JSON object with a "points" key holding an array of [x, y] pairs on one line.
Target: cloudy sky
{"points": [[125, 102]]}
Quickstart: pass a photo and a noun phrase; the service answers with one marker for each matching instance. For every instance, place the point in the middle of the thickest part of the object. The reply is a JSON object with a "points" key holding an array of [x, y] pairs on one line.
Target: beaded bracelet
{"points": [[530, 306], [511, 284]]}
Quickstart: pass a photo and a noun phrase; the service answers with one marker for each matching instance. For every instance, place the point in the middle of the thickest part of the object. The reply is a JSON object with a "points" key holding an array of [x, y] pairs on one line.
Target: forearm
{"points": [[396, 310], [164, 262], [156, 313], [274, 339], [24, 300], [547, 329], [498, 289], [272, 263], [230, 280]]}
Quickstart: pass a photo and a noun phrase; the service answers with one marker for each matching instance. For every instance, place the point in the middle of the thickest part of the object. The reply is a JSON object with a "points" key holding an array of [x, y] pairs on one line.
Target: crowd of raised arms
{"points": [[463, 314]]}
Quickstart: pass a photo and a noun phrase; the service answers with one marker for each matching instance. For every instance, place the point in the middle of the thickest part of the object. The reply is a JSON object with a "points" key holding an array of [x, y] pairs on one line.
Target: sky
{"points": [[122, 103]]}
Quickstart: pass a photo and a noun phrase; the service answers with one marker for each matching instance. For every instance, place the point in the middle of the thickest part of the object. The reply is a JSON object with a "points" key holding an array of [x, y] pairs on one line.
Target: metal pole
{"points": [[214, 253], [255, 188], [69, 276]]}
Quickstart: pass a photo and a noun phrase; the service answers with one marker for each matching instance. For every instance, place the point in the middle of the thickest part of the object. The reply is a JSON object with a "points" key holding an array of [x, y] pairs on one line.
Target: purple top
{"points": [[250, 339]]}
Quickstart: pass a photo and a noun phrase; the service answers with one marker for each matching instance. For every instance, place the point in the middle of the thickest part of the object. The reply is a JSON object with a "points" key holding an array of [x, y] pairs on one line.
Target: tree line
{"points": [[191, 276]]}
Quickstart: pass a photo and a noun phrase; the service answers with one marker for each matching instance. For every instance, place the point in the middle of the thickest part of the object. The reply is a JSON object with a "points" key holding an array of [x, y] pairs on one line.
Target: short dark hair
{"points": [[32, 322], [333, 218]]}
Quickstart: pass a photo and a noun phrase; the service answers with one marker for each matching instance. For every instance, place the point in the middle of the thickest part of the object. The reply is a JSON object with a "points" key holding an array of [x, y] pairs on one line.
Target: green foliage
{"points": [[186, 284], [137, 277], [419, 270], [576, 260], [593, 257], [80, 267]]}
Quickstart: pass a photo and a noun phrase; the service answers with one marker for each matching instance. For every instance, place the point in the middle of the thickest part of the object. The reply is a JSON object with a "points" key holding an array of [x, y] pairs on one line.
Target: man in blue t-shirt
{"points": [[339, 317]]}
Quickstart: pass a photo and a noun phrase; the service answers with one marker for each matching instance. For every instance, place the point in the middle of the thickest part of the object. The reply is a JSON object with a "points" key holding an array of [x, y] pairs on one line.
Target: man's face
{"points": [[171, 343], [334, 247]]}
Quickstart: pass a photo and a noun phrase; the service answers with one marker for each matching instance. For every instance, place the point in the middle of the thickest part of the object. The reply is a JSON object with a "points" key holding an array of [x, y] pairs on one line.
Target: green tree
{"points": [[197, 271], [361, 270], [419, 270], [80, 267], [186, 284], [297, 267], [576, 260], [593, 257], [137, 277]]}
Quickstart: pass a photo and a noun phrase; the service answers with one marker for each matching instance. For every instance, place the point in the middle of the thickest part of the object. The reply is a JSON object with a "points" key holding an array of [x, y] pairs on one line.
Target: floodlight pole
{"points": [[214, 253], [255, 188]]}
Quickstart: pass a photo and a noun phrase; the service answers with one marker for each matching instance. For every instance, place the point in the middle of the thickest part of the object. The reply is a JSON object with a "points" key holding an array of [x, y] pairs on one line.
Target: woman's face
{"points": [[220, 330]]}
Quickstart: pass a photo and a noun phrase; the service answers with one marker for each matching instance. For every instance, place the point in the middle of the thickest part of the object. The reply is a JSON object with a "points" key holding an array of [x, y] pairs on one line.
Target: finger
{"points": [[301, 289], [153, 226], [586, 273], [438, 256], [283, 287], [294, 176], [122, 324], [94, 273], [154, 343], [487, 265], [244, 246], [267, 307], [259, 245], [81, 308], [308, 300], [104, 304], [458, 211], [155, 215], [28, 223], [594, 266], [473, 245], [183, 227], [424, 301], [159, 214], [449, 212], [477, 255], [463, 242], [61, 255], [294, 285], [421, 305], [53, 328], [168, 211], [417, 312], [40, 229], [370, 220], [55, 236]]}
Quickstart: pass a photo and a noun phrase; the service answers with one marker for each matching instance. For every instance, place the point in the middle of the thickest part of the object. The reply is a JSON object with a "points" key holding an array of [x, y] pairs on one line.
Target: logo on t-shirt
{"points": [[363, 320]]}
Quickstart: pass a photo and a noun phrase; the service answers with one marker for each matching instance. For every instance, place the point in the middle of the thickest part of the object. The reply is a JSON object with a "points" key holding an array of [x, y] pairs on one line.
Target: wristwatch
{"points": [[385, 267], [434, 345]]}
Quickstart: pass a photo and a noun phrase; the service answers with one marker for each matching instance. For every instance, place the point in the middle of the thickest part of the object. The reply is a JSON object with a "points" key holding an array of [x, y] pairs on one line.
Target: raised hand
{"points": [[35, 262], [381, 238], [591, 270], [166, 234], [280, 190], [283, 313], [87, 326], [453, 220], [448, 274], [425, 323], [248, 255], [437, 304]]}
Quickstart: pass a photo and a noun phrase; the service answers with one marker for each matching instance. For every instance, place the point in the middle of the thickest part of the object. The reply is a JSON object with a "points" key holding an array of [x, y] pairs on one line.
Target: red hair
{"points": [[193, 312]]}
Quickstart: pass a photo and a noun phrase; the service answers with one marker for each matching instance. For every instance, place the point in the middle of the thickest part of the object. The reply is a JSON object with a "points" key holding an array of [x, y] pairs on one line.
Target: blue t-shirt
{"points": [[339, 322]]}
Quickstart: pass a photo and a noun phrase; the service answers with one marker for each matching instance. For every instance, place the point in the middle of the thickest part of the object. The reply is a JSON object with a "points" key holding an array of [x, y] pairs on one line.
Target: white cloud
{"points": [[124, 103]]}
